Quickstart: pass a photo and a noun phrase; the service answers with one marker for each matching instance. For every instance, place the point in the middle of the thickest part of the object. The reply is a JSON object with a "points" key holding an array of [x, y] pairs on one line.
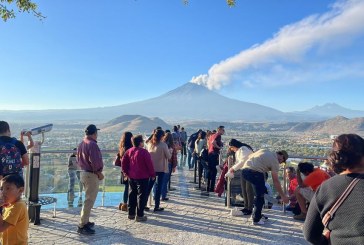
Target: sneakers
{"points": [[158, 209], [85, 230], [131, 217], [165, 199], [91, 224], [301, 217], [260, 222], [147, 209], [246, 211], [141, 219]]}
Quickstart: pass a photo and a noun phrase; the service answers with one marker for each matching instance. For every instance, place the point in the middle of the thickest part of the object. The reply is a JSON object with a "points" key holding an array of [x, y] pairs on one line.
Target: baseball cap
{"points": [[91, 129]]}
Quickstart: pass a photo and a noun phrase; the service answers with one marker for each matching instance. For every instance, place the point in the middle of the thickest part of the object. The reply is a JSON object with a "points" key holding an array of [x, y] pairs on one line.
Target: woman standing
{"points": [[160, 154], [346, 225], [172, 164], [242, 152], [124, 145], [138, 167]]}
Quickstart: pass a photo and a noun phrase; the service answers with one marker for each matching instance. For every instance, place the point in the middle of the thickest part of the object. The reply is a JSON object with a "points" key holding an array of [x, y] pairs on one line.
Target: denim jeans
{"points": [[126, 191], [258, 183], [157, 184], [72, 179], [138, 196], [191, 158], [166, 179]]}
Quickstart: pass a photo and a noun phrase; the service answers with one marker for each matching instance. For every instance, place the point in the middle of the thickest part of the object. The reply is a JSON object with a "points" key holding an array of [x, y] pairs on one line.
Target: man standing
{"points": [[183, 136], [308, 186], [191, 149], [215, 145], [91, 165], [255, 167], [13, 154]]}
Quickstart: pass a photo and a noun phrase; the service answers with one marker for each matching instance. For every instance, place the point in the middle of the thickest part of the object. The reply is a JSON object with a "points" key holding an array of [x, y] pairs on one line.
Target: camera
{"points": [[38, 130]]}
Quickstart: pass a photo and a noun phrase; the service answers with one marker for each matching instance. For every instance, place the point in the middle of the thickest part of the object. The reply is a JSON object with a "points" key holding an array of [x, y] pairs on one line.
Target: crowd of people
{"points": [[330, 206]]}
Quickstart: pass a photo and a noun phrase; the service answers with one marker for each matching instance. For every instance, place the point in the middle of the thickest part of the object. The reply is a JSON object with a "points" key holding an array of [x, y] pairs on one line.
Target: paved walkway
{"points": [[189, 218]]}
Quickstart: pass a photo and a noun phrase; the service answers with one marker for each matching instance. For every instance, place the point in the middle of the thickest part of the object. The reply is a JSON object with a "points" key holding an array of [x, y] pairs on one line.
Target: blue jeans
{"points": [[258, 183], [157, 184], [166, 179], [126, 191], [191, 158]]}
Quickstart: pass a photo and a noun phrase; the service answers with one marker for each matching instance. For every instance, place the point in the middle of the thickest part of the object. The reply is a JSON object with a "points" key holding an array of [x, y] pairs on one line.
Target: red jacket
{"points": [[137, 164]]}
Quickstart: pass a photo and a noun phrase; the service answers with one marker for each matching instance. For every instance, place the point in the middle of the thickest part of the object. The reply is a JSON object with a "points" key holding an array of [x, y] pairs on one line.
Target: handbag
{"points": [[117, 161], [330, 214]]}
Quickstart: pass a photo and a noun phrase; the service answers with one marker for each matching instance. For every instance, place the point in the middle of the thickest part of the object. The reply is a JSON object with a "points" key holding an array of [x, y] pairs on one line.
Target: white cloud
{"points": [[335, 28]]}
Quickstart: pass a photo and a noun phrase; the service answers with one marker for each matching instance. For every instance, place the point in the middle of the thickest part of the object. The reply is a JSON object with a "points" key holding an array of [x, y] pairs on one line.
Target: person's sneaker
{"points": [[124, 207], [301, 216], [90, 224], [247, 212], [172, 189], [264, 217], [147, 209], [158, 209], [86, 230], [260, 222], [131, 217], [165, 199], [141, 219]]}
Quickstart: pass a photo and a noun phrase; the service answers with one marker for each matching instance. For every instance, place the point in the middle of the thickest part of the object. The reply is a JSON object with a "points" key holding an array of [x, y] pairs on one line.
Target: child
{"points": [[14, 221]]}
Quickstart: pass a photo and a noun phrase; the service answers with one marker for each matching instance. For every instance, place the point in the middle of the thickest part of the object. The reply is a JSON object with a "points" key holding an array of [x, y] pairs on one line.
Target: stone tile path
{"points": [[189, 218]]}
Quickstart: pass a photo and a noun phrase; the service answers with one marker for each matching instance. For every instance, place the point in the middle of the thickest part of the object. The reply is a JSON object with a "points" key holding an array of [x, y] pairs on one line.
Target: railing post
{"points": [[228, 189]]}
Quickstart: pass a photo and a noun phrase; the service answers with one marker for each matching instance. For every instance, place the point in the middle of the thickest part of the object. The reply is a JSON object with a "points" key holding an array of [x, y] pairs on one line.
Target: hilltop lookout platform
{"points": [[189, 218]]}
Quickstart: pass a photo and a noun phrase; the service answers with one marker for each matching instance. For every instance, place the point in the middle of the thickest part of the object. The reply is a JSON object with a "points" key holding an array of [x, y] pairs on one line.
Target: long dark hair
{"points": [[201, 136], [238, 144], [168, 139], [157, 136], [125, 143], [347, 152]]}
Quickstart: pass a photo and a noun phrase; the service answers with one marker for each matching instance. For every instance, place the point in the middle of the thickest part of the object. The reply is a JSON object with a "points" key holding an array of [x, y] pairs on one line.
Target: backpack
{"points": [[10, 158], [204, 155], [192, 140]]}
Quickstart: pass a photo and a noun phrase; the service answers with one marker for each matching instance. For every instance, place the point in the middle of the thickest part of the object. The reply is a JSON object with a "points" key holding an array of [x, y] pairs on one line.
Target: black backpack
{"points": [[192, 139], [10, 158]]}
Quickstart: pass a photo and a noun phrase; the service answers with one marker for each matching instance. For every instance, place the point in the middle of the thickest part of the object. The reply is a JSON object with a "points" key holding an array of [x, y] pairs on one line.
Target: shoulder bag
{"points": [[330, 214]]}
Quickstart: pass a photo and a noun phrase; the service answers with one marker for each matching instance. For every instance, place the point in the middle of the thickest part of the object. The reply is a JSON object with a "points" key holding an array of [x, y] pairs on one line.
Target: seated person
{"points": [[307, 187], [292, 178]]}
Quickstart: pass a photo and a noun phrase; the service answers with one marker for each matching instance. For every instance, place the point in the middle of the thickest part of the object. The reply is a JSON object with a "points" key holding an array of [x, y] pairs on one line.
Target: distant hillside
{"points": [[134, 124], [188, 102], [338, 125], [333, 110]]}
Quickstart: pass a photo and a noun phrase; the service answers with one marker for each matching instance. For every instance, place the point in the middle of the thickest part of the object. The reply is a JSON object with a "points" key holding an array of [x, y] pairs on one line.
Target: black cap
{"points": [[91, 129]]}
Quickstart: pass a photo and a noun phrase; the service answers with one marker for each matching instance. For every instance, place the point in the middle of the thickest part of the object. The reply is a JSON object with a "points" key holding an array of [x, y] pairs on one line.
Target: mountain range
{"points": [[185, 103]]}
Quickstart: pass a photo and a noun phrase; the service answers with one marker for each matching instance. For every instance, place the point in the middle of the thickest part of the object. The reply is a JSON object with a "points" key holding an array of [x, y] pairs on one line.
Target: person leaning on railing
{"points": [[347, 224], [258, 163]]}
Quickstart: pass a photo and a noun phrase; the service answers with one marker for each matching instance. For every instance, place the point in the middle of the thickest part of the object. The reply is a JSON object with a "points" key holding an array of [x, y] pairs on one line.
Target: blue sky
{"points": [[289, 55]]}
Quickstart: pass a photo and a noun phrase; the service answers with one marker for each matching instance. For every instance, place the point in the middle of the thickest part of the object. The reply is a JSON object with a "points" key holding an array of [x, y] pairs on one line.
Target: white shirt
{"points": [[241, 155]]}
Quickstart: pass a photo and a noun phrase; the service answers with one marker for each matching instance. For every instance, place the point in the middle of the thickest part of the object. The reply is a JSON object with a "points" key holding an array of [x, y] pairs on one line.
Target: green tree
{"points": [[7, 8]]}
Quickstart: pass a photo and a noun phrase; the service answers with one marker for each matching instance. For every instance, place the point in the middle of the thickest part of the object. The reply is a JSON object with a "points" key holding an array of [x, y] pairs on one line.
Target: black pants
{"points": [[212, 171], [138, 196], [258, 182], [184, 150]]}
